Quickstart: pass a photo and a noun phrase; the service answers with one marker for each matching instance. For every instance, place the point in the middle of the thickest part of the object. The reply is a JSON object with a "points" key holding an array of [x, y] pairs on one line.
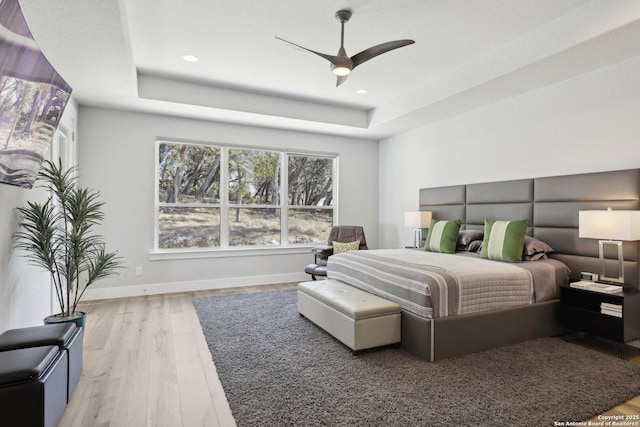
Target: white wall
{"points": [[117, 157], [26, 295], [25, 291], [586, 124]]}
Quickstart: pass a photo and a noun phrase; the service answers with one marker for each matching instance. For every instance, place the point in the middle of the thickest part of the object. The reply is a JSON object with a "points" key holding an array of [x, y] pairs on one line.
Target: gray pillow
{"points": [[535, 249], [475, 246], [467, 239]]}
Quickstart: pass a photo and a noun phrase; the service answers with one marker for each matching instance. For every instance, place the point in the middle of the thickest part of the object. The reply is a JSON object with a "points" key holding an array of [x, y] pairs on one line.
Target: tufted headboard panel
{"points": [[551, 204]]}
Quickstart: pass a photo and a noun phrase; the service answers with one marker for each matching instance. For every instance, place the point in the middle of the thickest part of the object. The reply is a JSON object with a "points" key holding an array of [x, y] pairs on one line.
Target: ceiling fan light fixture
{"points": [[341, 71]]}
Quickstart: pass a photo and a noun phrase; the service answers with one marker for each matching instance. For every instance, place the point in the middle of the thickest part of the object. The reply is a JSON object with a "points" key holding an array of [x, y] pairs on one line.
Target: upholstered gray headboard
{"points": [[551, 205]]}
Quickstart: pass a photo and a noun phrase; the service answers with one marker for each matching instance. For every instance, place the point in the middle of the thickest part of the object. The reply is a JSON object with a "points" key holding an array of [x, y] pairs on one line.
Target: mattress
{"points": [[433, 285]]}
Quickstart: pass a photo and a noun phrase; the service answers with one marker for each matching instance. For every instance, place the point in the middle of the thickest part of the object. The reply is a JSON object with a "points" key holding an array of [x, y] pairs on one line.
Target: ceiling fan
{"points": [[342, 64]]}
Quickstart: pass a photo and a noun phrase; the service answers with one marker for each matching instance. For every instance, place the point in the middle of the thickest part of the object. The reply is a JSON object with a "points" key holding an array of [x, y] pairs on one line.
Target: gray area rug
{"points": [[279, 369]]}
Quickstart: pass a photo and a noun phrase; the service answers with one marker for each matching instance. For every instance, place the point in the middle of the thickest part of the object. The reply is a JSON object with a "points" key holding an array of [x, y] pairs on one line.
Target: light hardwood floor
{"points": [[146, 363]]}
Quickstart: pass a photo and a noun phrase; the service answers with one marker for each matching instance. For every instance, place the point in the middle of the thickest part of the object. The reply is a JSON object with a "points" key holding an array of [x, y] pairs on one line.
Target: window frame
{"points": [[224, 206]]}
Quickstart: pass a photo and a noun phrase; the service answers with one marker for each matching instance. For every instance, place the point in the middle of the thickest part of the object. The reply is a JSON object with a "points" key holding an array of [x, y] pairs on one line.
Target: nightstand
{"points": [[581, 310]]}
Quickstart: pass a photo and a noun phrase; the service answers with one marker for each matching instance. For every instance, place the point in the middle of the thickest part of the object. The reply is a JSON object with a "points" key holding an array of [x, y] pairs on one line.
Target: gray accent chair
{"points": [[321, 254]]}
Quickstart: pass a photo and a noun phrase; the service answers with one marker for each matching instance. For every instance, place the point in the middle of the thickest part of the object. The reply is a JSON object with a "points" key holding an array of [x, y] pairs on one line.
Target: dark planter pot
{"points": [[79, 318]]}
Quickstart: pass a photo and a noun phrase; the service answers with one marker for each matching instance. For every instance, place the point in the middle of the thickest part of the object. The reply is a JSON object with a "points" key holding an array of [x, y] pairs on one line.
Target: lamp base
{"points": [[417, 238], [603, 275]]}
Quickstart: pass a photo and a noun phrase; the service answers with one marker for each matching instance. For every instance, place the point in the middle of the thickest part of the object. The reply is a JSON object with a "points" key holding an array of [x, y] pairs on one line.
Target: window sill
{"points": [[168, 254]]}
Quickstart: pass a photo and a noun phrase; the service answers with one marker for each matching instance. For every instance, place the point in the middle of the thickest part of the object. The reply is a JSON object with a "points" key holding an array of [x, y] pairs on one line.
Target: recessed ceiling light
{"points": [[190, 58], [362, 91]]}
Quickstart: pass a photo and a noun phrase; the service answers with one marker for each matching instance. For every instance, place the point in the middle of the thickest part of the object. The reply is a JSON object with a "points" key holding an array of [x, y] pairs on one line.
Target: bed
{"points": [[551, 206], [436, 285]]}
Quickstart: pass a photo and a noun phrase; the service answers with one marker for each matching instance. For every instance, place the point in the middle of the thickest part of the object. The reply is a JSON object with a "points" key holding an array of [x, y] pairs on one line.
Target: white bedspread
{"points": [[432, 284]]}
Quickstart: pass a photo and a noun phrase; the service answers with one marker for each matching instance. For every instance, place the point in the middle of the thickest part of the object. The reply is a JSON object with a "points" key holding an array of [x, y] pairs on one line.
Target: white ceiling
{"points": [[468, 53]]}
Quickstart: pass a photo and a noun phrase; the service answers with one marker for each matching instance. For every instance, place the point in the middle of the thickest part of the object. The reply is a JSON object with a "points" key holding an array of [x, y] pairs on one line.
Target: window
{"points": [[211, 197], [188, 196], [254, 213], [310, 198]]}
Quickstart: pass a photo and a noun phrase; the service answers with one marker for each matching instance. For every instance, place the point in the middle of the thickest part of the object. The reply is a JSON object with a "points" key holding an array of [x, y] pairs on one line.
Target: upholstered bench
{"points": [[33, 386], [66, 336], [356, 318]]}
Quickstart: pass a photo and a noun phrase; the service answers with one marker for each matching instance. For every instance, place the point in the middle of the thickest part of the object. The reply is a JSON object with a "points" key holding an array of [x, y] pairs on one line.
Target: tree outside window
{"points": [[254, 197], [310, 198], [219, 197]]}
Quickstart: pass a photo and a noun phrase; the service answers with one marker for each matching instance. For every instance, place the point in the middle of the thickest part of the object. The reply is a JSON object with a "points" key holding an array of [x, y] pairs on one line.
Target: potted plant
{"points": [[58, 235]]}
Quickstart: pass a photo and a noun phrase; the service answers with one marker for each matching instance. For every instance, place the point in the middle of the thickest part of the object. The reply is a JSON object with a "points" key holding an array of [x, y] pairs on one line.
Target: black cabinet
{"points": [[581, 309]]}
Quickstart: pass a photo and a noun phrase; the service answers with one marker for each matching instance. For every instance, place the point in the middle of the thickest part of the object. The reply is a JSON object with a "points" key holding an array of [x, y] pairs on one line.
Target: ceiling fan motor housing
{"points": [[343, 15]]}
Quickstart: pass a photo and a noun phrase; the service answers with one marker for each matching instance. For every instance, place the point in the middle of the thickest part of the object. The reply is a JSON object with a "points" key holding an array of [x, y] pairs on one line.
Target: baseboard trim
{"points": [[196, 285]]}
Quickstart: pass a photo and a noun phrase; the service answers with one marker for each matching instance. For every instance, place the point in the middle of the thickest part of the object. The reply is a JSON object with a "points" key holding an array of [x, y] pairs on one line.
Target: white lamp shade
{"points": [[609, 224], [418, 219]]}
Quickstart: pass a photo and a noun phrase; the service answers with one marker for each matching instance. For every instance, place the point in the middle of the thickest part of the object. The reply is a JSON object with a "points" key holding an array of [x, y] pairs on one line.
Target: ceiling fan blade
{"points": [[341, 79], [335, 60], [374, 51]]}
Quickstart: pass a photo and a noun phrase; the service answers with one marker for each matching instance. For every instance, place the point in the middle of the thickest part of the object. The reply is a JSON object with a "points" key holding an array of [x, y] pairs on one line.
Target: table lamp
{"points": [[417, 220], [613, 226]]}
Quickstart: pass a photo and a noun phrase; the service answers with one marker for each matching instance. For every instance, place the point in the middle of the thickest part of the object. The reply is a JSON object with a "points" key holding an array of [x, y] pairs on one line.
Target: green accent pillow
{"points": [[504, 240], [340, 247], [443, 236]]}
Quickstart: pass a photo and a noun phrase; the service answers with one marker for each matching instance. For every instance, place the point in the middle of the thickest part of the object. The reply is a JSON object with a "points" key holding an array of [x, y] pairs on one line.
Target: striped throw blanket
{"points": [[431, 284]]}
